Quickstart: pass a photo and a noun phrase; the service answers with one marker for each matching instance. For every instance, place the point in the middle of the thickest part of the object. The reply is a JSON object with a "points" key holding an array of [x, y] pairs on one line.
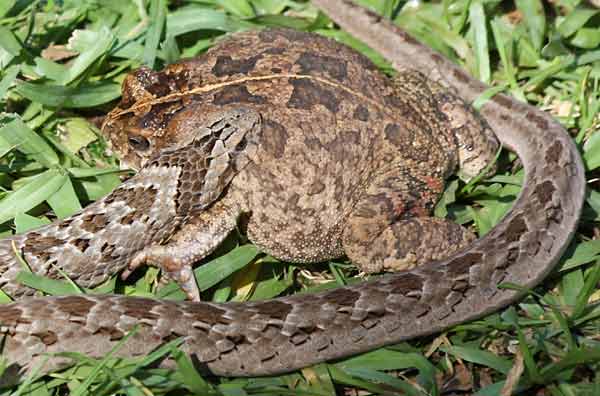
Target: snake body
{"points": [[287, 333]]}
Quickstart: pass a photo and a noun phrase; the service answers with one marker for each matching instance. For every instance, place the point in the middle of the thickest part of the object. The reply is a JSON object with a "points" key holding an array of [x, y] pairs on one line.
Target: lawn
{"points": [[61, 66]]}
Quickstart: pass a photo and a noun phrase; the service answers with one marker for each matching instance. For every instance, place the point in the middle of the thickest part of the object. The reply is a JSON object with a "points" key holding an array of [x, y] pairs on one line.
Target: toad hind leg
{"points": [[389, 230]]}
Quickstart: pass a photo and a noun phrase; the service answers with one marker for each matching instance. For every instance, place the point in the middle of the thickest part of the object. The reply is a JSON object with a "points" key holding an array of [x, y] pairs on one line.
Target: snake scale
{"points": [[287, 333]]}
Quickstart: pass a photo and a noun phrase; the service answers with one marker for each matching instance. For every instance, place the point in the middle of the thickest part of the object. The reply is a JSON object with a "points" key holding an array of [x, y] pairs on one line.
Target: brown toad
{"points": [[348, 160]]}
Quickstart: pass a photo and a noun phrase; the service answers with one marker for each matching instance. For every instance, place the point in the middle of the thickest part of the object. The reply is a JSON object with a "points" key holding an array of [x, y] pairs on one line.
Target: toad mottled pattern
{"points": [[349, 161]]}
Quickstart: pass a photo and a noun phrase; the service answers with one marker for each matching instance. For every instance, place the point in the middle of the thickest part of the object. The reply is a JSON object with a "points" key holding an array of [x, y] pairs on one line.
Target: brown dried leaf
{"points": [[512, 379], [461, 381], [57, 53]]}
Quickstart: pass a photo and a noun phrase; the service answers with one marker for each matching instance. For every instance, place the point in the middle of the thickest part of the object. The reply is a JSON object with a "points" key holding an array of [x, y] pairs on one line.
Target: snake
{"points": [[287, 333]]}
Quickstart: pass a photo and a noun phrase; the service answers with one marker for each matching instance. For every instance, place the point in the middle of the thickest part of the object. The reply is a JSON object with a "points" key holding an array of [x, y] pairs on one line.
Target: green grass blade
{"points": [[158, 10], [85, 95], [478, 23], [479, 356], [36, 191], [20, 136]]}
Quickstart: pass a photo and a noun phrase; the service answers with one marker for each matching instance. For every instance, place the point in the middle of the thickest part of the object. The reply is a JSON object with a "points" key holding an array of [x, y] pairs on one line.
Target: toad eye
{"points": [[139, 143]]}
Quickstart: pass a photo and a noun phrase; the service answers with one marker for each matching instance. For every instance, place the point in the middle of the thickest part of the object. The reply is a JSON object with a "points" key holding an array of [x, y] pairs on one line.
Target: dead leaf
{"points": [[512, 379], [57, 53]]}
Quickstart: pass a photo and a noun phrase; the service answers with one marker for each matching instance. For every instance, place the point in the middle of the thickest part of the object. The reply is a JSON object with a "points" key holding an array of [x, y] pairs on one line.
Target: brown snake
{"points": [[274, 336]]}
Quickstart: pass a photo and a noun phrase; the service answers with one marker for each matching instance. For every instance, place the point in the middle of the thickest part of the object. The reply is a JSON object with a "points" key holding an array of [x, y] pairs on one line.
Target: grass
{"points": [[61, 67]]}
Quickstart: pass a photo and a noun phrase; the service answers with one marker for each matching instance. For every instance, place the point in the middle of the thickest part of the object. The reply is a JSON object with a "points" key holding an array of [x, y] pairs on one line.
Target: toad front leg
{"points": [[198, 237], [206, 214]]}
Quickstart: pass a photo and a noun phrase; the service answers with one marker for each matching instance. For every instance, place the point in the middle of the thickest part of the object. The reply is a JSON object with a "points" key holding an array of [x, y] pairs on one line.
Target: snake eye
{"points": [[139, 143]]}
